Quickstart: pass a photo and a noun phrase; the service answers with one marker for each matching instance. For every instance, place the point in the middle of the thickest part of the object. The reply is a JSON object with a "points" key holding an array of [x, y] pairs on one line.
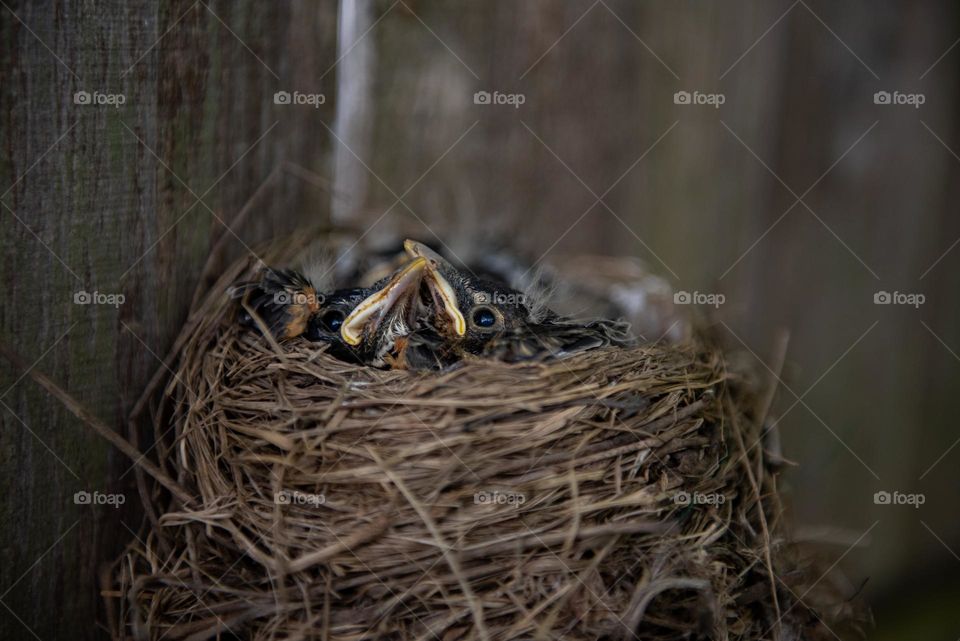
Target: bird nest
{"points": [[614, 494]]}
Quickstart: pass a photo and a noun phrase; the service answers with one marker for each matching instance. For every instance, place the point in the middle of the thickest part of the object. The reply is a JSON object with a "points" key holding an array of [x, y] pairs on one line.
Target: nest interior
{"points": [[615, 494]]}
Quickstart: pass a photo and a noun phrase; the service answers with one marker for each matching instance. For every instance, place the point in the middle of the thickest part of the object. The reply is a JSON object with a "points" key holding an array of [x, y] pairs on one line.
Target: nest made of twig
{"points": [[613, 494]]}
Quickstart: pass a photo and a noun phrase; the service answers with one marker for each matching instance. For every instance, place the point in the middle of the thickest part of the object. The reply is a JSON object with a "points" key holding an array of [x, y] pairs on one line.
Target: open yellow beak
{"points": [[448, 299], [439, 285], [375, 306], [418, 250]]}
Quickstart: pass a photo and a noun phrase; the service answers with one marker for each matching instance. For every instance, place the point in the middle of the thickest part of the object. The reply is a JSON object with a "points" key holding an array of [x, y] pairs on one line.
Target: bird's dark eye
{"points": [[484, 317], [332, 320]]}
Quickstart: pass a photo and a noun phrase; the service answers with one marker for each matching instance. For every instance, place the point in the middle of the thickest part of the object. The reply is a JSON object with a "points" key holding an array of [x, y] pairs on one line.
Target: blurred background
{"points": [[799, 159]]}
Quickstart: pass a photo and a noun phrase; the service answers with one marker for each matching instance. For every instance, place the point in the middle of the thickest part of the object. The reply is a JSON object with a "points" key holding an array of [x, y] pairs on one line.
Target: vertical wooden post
{"points": [[132, 133]]}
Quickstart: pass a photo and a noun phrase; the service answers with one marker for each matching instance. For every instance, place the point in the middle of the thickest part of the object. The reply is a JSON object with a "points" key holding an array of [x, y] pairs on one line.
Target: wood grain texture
{"points": [[92, 208]]}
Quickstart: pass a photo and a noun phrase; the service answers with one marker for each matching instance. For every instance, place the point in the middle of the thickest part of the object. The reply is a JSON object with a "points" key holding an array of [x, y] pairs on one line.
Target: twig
{"points": [[85, 415]]}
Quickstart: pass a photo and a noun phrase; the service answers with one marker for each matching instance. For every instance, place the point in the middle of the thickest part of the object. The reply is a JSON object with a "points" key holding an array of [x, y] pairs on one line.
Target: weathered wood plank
{"points": [[100, 210]]}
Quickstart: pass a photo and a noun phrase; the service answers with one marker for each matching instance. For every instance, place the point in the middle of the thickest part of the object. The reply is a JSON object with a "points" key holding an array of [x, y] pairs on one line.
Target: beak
{"points": [[443, 294], [375, 307], [418, 250], [446, 300]]}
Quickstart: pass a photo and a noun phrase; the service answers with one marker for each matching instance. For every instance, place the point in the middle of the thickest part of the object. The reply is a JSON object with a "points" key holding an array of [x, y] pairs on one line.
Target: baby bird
{"points": [[476, 316], [284, 299], [360, 324], [378, 326]]}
